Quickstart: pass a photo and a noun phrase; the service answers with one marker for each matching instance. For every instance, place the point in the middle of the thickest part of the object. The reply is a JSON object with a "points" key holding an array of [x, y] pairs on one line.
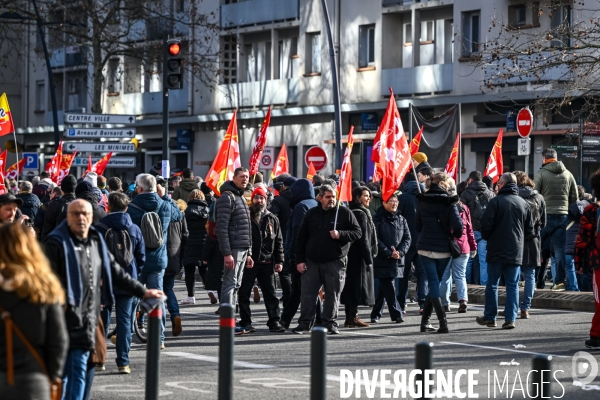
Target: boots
{"points": [[441, 314], [427, 310]]}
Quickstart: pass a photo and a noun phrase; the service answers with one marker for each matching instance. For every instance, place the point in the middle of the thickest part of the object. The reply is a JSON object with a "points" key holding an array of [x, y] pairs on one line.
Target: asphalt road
{"points": [[277, 366]]}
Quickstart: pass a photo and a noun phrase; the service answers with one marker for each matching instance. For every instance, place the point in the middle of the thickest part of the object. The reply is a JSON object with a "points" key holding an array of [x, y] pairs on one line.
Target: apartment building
{"points": [[275, 52]]}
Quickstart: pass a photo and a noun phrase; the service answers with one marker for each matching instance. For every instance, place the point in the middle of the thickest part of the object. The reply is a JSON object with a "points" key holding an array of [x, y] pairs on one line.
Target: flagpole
{"points": [[16, 149], [410, 125]]}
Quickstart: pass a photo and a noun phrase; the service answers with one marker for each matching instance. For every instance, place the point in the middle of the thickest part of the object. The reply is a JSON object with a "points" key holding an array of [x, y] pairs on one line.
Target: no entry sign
{"points": [[317, 156], [524, 122]]}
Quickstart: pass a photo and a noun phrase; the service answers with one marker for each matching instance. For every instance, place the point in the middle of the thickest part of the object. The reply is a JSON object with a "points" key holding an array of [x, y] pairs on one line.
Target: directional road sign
{"points": [[99, 133], [98, 119], [103, 147], [121, 162]]}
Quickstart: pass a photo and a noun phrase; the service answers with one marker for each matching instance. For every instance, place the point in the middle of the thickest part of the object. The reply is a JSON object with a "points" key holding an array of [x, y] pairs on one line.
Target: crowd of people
{"points": [[73, 253]]}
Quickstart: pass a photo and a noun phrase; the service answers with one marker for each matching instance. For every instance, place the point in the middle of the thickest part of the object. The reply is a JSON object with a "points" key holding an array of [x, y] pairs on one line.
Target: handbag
{"points": [[454, 248], [10, 327], [98, 355]]}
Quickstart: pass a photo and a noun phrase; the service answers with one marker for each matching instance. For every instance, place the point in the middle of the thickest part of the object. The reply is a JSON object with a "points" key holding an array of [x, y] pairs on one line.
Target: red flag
{"points": [[6, 122], [452, 166], [416, 142], [226, 160], [3, 156], [311, 171], [100, 166], [54, 168], [495, 164], [261, 140], [65, 166], [377, 173], [394, 155], [345, 186], [282, 164], [14, 170]]}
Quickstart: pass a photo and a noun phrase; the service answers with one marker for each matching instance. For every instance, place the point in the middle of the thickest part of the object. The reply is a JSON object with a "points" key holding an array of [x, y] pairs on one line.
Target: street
{"points": [[277, 366]]}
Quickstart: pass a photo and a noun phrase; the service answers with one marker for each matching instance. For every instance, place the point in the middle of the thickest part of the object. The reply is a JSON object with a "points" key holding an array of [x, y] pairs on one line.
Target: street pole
{"points": [[336, 91], [165, 111], [581, 151]]}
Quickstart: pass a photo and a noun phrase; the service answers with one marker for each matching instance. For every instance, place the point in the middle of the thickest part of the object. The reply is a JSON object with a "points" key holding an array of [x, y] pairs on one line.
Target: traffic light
{"points": [[173, 64]]}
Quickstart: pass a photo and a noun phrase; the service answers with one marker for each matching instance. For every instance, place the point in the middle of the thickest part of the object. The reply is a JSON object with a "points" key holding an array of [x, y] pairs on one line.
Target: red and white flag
{"points": [[495, 164], [53, 167], [311, 171], [6, 122], [345, 187], [226, 160], [2, 164], [416, 142], [282, 165], [65, 166], [452, 166], [261, 141], [14, 170]]}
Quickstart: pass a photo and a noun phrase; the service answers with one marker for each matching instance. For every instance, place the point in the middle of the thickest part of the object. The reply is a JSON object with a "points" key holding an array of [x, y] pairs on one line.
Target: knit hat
{"points": [[419, 157], [68, 184], [259, 191], [92, 178], [83, 187], [289, 181], [205, 189]]}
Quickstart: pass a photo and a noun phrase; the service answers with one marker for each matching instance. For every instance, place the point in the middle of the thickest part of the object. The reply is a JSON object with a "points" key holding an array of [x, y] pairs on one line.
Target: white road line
{"points": [[200, 314], [215, 360], [501, 349]]}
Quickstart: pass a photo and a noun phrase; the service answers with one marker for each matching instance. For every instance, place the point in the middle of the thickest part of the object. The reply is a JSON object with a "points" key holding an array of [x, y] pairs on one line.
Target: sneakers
{"points": [[100, 367], [560, 287], [509, 325], [524, 314], [213, 297], [176, 328], [189, 300], [124, 370], [113, 339], [355, 323], [593, 343], [249, 329], [300, 330], [374, 320], [485, 322], [462, 308], [501, 313], [218, 311], [182, 277], [521, 283], [447, 309], [239, 330], [162, 346], [333, 331], [399, 320], [277, 328], [256, 294]]}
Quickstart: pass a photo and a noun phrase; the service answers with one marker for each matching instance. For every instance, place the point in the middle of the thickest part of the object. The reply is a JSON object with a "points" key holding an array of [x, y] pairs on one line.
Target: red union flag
{"points": [[14, 170], [282, 165], [53, 167], [3, 156], [452, 166], [6, 122], [226, 160], [261, 140], [345, 187], [495, 165], [416, 142], [65, 166], [311, 171], [101, 164], [394, 155]]}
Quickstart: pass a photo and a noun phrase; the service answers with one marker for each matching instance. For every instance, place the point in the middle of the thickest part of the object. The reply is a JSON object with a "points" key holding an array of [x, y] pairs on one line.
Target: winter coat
{"points": [[280, 207], [476, 191], [359, 273], [267, 244], [186, 186], [233, 227], [176, 245], [167, 210], [40, 190], [467, 241], [196, 216], [587, 255], [31, 204], [392, 231], [56, 213], [557, 185], [505, 225], [303, 199], [122, 221], [211, 254], [407, 206], [437, 217], [314, 242], [575, 213], [532, 250]]}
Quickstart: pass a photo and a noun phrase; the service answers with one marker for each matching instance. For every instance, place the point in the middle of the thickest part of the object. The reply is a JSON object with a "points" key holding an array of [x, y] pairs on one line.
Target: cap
{"points": [[259, 191], [419, 157], [92, 178], [9, 198], [289, 181]]}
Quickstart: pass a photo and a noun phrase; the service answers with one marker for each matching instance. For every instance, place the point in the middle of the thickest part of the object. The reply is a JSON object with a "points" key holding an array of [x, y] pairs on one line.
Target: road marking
{"points": [[125, 389], [501, 349], [215, 360]]}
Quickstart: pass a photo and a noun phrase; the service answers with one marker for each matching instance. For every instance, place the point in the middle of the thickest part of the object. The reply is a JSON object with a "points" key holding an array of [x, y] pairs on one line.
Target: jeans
{"points": [[511, 277], [266, 281], [75, 374], [584, 281], [556, 229], [172, 305], [125, 312], [571, 274], [455, 271], [154, 280], [529, 277], [481, 254], [232, 278], [411, 258], [386, 292], [434, 268]]}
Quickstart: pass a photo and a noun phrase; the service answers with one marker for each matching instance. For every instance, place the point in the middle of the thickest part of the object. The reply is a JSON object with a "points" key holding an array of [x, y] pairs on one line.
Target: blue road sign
{"points": [[31, 161]]}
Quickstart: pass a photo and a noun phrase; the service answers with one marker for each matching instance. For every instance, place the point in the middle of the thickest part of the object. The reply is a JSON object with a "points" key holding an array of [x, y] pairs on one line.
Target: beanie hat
{"points": [[204, 188], [259, 191], [83, 187], [289, 181], [68, 184], [92, 178], [419, 157]]}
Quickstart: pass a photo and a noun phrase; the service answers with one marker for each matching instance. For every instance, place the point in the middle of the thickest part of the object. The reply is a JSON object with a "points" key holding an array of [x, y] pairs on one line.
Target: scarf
{"points": [[550, 160]]}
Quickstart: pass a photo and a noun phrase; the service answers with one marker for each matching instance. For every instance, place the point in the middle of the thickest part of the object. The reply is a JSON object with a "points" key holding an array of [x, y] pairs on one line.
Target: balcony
{"points": [[262, 93], [148, 103], [70, 56], [390, 3], [422, 79], [253, 12], [154, 28], [527, 71]]}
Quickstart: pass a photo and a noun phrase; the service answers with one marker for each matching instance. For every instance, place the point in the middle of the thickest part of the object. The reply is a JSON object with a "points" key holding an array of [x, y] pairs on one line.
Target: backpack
{"points": [[151, 228], [119, 244], [480, 206], [536, 214], [212, 214]]}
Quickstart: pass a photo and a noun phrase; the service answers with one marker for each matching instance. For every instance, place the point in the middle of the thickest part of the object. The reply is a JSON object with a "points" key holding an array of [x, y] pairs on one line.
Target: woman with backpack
{"points": [[31, 303]]}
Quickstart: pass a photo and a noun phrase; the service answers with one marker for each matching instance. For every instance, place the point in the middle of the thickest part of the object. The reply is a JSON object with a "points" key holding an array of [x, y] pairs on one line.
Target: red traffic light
{"points": [[174, 49]]}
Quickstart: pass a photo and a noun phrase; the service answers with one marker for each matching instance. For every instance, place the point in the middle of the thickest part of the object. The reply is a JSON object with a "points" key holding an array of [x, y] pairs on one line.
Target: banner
{"points": [[437, 136], [226, 160], [2, 164], [100, 166], [495, 164], [282, 164], [53, 168], [452, 166], [416, 142], [345, 187], [6, 122], [261, 141], [311, 171], [14, 170], [65, 166]]}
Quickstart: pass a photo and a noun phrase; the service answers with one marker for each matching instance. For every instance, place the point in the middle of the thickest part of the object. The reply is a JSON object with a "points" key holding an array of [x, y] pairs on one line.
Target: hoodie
{"points": [[186, 186], [557, 185], [280, 207], [302, 199], [196, 215], [476, 196]]}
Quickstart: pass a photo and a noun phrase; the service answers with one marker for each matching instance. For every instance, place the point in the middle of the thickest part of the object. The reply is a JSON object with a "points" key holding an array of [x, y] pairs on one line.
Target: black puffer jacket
{"points": [[31, 204], [266, 240], [407, 206], [56, 213], [196, 216], [437, 216], [476, 190], [392, 231], [233, 227], [176, 244], [532, 249], [280, 207]]}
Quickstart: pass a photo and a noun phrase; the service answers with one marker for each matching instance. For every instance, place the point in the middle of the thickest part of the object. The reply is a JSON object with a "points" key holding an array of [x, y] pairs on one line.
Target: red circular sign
{"points": [[524, 122], [317, 156]]}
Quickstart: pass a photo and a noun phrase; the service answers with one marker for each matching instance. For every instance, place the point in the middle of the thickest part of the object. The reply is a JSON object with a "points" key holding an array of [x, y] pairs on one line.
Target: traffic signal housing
{"points": [[173, 64]]}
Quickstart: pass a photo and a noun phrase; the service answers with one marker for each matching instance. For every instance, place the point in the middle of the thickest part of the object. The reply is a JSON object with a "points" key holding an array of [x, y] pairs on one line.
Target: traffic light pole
{"points": [[165, 111]]}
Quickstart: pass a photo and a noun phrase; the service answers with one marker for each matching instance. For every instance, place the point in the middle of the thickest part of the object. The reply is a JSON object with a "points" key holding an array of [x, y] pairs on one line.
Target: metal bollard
{"points": [[542, 370], [318, 363], [153, 308], [423, 361], [226, 334]]}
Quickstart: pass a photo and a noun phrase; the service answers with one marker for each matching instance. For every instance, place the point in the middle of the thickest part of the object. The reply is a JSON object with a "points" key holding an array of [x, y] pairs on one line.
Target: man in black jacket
{"points": [[505, 225], [267, 248], [322, 245], [56, 212]]}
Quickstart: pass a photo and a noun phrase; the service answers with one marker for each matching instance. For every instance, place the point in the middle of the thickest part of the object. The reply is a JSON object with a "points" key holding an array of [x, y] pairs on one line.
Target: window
{"points": [[517, 15], [314, 52], [535, 13], [561, 24], [229, 61], [180, 5], [113, 76], [408, 33], [366, 53], [40, 96], [75, 99], [427, 31], [470, 33]]}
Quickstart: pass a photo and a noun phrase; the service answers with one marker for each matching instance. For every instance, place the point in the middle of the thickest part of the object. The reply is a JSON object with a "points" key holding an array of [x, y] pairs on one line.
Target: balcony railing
{"points": [[253, 12], [423, 79], [389, 3], [262, 93], [148, 103]]}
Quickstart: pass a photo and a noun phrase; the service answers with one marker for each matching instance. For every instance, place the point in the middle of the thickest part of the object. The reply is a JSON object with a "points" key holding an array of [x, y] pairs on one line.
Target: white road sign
{"points": [[99, 133], [121, 162], [98, 119], [103, 147], [524, 147]]}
